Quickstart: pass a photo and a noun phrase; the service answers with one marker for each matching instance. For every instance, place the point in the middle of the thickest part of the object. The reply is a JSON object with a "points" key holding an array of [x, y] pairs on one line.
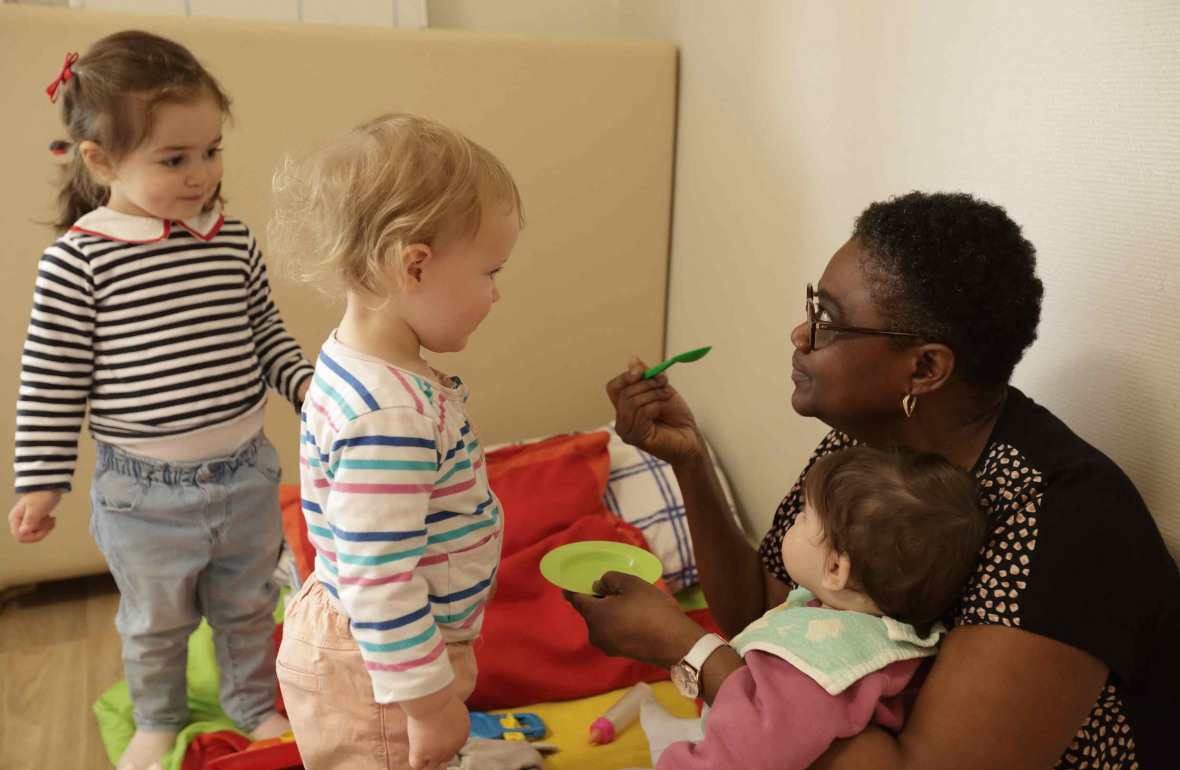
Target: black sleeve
{"points": [[1101, 578]]}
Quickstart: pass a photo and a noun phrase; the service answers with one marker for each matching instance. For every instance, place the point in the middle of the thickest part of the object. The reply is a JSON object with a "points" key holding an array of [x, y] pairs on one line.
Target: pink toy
{"points": [[619, 716]]}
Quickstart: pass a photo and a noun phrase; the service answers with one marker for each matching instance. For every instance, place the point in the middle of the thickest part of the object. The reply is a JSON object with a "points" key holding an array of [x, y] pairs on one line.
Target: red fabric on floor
{"points": [[207, 747]]}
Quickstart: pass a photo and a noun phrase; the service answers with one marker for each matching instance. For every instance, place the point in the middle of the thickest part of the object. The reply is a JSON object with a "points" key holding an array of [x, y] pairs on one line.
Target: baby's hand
{"points": [[437, 725], [30, 520]]}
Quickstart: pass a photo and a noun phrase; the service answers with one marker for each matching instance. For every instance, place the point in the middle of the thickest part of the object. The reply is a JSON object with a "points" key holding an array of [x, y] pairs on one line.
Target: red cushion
{"points": [[546, 486], [534, 646], [295, 529]]}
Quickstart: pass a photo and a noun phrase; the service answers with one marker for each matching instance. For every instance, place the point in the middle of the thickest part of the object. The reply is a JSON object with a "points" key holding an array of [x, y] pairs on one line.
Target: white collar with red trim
{"points": [[117, 226]]}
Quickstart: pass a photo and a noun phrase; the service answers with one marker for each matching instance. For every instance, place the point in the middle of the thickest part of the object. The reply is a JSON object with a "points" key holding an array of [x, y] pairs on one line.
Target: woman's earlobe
{"points": [[935, 365]]}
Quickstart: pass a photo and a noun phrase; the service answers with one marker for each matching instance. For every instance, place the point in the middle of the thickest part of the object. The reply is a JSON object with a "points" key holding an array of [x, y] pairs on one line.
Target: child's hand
{"points": [[437, 725], [30, 520]]}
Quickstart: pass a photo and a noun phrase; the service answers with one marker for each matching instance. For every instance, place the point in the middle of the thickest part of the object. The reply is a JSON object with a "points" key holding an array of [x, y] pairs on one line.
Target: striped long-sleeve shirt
{"points": [[398, 507], [164, 328]]}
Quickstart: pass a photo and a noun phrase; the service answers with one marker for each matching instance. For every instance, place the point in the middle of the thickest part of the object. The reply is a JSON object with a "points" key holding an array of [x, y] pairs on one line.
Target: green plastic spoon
{"points": [[684, 358]]}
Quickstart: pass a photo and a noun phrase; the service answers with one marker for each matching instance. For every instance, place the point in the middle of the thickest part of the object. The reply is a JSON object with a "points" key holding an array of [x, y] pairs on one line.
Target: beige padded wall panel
{"points": [[586, 125]]}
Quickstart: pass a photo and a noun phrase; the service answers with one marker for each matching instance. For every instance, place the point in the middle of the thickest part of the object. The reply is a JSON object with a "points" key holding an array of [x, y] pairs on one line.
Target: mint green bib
{"points": [[834, 647]]}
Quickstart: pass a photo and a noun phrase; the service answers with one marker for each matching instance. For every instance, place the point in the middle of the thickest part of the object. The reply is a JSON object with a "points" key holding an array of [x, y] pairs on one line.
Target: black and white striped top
{"points": [[164, 327]]}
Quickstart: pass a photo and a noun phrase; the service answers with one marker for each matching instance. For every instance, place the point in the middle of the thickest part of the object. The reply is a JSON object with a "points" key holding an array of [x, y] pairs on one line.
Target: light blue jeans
{"points": [[185, 540]]}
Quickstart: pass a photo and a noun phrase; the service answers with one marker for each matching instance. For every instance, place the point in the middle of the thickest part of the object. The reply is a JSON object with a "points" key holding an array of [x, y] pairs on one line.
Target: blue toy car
{"points": [[509, 727]]}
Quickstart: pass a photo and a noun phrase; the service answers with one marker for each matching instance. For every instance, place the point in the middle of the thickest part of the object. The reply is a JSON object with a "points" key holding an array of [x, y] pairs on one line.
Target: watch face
{"points": [[686, 684]]}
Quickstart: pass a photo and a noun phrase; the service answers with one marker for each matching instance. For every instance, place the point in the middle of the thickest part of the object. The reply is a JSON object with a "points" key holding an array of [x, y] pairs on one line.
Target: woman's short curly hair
{"points": [[955, 270]]}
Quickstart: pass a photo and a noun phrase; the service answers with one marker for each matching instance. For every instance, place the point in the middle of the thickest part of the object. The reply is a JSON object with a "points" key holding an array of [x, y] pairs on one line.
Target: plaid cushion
{"points": [[642, 490]]}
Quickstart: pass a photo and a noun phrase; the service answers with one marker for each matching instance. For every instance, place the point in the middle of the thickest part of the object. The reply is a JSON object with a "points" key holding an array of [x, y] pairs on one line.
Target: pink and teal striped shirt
{"points": [[397, 503]]}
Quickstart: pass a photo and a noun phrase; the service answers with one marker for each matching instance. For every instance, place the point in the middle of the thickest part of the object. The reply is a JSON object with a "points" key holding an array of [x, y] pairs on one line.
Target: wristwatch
{"points": [[686, 674]]}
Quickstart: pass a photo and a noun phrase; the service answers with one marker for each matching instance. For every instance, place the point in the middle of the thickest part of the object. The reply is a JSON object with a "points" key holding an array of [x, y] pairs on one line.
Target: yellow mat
{"points": [[568, 724]]}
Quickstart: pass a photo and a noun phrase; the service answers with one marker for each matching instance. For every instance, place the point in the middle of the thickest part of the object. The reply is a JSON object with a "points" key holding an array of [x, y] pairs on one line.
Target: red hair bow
{"points": [[65, 74]]}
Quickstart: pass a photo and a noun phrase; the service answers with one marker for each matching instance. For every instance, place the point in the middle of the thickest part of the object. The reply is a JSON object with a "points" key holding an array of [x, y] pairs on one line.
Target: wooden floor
{"points": [[58, 652]]}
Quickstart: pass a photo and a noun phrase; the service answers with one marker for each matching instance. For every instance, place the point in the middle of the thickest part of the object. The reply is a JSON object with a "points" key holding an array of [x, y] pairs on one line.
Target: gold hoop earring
{"points": [[908, 403]]}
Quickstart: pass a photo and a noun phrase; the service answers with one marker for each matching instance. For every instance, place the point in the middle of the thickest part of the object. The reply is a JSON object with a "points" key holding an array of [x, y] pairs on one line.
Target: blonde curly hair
{"points": [[345, 206]]}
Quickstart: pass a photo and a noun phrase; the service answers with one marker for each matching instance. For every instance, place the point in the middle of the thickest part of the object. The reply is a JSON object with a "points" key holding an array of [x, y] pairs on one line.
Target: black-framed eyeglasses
{"points": [[813, 323]]}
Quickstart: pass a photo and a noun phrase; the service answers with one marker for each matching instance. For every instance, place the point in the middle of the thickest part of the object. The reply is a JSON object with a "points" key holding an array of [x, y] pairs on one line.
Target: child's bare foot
{"points": [[147, 749], [271, 727]]}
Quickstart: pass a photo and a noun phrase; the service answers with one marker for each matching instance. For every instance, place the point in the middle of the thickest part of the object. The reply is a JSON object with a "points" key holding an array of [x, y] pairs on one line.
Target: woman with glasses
{"points": [[1062, 644]]}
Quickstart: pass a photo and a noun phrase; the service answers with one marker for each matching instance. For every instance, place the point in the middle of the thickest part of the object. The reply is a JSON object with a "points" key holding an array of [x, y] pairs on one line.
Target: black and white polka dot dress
{"points": [[1073, 555]]}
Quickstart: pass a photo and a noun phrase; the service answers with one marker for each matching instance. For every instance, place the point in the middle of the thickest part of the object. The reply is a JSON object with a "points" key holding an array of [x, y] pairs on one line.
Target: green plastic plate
{"points": [[575, 566]]}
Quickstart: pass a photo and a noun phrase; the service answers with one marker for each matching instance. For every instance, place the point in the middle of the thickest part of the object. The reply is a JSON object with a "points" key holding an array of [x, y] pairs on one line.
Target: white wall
{"points": [[796, 114]]}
